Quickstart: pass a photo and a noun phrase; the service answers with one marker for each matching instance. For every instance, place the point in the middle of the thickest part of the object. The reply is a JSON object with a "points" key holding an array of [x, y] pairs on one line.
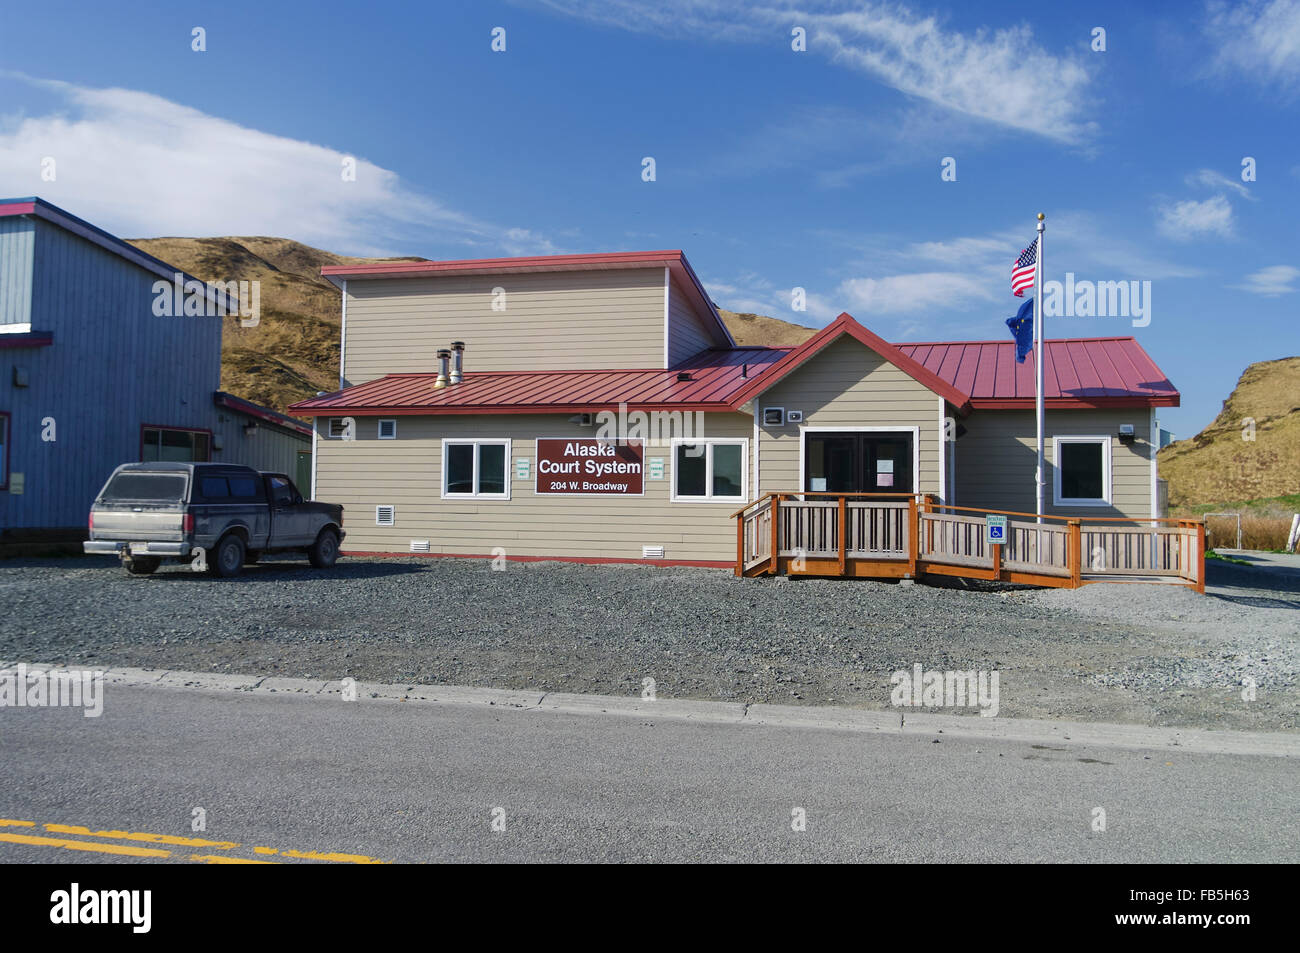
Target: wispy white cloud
{"points": [[1188, 220], [908, 293], [142, 165], [999, 76], [1259, 39], [1208, 178], [1271, 282]]}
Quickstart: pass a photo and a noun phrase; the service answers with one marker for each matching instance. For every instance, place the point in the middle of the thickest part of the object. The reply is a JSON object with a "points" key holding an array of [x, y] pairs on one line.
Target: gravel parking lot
{"points": [[1119, 653]]}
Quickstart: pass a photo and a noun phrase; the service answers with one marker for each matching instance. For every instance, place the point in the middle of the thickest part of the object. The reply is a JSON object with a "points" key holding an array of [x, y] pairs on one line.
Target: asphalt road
{"points": [[306, 778]]}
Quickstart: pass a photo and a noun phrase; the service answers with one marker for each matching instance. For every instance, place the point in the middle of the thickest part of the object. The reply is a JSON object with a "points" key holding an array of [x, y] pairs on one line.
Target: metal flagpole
{"points": [[1038, 365]]}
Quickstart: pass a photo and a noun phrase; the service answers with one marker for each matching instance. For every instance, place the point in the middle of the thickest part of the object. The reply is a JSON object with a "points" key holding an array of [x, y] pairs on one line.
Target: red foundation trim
{"points": [[586, 560]]}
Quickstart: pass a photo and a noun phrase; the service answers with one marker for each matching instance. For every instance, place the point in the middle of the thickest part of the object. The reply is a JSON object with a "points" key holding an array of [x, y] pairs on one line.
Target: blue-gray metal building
{"points": [[93, 375]]}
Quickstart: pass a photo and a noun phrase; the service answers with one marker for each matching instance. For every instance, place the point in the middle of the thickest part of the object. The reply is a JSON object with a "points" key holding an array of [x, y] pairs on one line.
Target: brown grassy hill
{"points": [[1219, 466], [294, 351], [759, 329]]}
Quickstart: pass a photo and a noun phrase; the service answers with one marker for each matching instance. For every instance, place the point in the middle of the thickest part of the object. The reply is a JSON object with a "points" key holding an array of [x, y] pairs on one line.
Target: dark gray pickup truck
{"points": [[215, 516]]}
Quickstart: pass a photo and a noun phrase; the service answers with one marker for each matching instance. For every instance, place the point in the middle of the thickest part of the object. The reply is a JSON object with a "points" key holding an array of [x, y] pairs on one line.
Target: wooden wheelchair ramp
{"points": [[907, 536]]}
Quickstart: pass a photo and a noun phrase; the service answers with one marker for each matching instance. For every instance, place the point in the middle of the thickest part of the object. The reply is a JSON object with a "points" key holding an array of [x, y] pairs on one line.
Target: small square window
{"points": [[1082, 471]]}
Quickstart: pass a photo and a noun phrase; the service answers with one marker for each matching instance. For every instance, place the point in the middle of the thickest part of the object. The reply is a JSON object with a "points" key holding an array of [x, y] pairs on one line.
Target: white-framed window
{"points": [[336, 428], [387, 428], [1081, 471], [475, 469], [710, 470]]}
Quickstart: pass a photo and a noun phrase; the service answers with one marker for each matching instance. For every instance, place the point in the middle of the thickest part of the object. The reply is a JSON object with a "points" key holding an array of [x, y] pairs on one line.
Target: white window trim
{"points": [[379, 428], [329, 423], [1104, 440], [709, 444], [475, 442]]}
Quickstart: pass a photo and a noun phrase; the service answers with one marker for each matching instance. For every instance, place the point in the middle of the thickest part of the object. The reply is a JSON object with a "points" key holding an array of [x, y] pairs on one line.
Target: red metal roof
{"points": [[250, 409], [845, 324], [1077, 372], [715, 376]]}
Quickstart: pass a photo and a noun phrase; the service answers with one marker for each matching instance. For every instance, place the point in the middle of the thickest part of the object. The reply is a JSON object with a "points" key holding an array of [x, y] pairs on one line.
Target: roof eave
{"points": [[479, 409]]}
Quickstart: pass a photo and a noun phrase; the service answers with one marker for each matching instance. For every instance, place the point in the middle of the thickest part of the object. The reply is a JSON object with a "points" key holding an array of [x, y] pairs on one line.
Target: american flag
{"points": [[1022, 272]]}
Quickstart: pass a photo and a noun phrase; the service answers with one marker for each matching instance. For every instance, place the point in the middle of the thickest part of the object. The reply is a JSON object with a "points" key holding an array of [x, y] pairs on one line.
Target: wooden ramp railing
{"points": [[902, 535]]}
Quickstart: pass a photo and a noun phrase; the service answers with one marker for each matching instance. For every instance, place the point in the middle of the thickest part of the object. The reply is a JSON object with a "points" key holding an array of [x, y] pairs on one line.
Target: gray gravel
{"points": [[1142, 654]]}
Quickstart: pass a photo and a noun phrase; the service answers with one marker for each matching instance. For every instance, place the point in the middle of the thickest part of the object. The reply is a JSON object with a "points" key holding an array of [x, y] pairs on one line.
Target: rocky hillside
{"points": [[1222, 464]]}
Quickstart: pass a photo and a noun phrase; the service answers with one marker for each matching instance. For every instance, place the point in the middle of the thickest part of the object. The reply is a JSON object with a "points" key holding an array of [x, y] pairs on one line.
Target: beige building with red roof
{"points": [[596, 408]]}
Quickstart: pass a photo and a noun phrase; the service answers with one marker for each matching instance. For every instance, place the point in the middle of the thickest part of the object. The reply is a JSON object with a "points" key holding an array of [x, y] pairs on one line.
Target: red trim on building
{"points": [[249, 409], [845, 324], [673, 259], [27, 339], [582, 560], [492, 265], [1073, 403], [17, 208], [714, 376]]}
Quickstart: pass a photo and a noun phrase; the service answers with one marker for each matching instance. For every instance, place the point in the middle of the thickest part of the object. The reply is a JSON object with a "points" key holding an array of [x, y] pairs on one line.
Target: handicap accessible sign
{"points": [[995, 528]]}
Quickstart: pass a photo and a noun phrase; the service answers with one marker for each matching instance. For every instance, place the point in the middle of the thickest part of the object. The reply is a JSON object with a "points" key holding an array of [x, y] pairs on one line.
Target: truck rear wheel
{"points": [[227, 558], [142, 565], [324, 553]]}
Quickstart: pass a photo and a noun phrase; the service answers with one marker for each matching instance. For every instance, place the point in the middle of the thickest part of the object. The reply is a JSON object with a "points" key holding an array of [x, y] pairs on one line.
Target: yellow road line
{"points": [[219, 859], [148, 838], [332, 858], [84, 845], [169, 839]]}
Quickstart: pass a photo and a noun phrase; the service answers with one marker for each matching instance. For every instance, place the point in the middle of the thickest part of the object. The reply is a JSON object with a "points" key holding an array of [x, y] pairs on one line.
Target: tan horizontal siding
{"points": [[847, 385], [406, 473], [997, 456], [688, 334], [551, 321]]}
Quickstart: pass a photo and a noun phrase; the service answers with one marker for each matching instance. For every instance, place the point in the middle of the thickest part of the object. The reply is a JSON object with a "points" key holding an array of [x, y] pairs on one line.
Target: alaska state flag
{"points": [[1022, 326]]}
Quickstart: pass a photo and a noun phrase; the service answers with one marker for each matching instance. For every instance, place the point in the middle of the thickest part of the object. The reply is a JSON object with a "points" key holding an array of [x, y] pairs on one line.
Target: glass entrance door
{"points": [[858, 462]]}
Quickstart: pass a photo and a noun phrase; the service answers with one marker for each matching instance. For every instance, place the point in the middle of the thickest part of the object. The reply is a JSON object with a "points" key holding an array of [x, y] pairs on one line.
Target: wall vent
{"points": [[773, 416], [385, 516], [652, 552], [419, 546], [388, 428]]}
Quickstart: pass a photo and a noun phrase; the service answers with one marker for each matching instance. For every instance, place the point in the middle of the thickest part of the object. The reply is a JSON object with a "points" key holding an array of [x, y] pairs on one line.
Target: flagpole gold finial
{"points": [[1041, 216]]}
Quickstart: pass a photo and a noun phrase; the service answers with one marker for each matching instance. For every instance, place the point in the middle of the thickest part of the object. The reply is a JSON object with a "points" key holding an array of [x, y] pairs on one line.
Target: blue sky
{"points": [[774, 169]]}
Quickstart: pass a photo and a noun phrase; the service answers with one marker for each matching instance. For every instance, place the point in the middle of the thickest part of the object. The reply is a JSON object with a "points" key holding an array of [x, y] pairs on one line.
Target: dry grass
{"points": [[758, 329], [294, 351], [1220, 464], [1256, 532]]}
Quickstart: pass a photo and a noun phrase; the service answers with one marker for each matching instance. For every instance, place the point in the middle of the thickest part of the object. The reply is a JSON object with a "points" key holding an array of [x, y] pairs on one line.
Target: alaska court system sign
{"points": [[590, 466]]}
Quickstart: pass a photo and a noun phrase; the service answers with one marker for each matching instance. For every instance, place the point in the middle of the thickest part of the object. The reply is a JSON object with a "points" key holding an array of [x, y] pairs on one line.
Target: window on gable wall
{"points": [[1083, 475]]}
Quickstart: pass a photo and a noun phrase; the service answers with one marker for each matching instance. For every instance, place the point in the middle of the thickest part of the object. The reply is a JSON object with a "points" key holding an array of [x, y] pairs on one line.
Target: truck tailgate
{"points": [[127, 521]]}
